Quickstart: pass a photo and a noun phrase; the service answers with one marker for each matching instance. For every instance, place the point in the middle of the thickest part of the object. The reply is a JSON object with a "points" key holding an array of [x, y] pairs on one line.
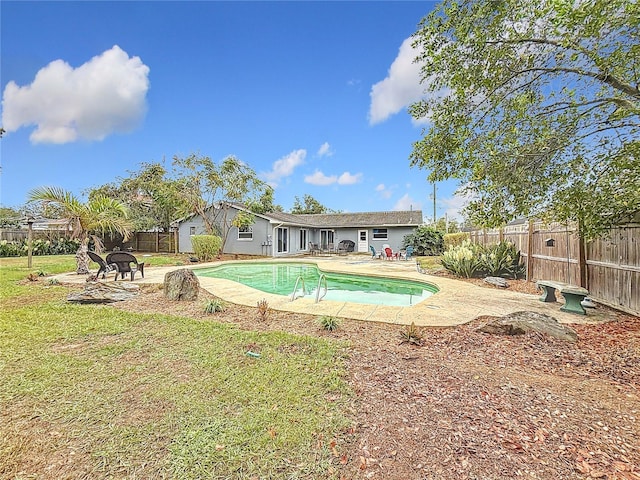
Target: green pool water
{"points": [[280, 278]]}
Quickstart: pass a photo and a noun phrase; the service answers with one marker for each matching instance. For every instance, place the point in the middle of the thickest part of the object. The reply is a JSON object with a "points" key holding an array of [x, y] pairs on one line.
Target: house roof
{"points": [[411, 218], [361, 219]]}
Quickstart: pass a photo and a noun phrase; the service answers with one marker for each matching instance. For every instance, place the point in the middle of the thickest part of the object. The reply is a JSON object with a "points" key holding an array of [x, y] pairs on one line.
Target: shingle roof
{"points": [[335, 220], [363, 219]]}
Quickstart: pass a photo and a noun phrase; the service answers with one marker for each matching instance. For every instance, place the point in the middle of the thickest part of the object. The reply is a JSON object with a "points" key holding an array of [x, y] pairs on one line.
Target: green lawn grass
{"points": [[430, 264], [95, 392]]}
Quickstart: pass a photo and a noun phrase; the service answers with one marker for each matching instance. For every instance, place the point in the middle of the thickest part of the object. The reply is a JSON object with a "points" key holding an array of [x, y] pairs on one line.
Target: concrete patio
{"points": [[456, 303]]}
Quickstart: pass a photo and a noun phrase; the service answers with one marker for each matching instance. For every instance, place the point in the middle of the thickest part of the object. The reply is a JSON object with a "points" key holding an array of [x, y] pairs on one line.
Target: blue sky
{"points": [[312, 95]]}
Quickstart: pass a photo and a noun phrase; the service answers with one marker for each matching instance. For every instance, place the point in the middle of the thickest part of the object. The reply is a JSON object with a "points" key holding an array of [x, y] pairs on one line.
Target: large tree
{"points": [[308, 205], [266, 203], [86, 220], [534, 107], [153, 198], [9, 217], [207, 184]]}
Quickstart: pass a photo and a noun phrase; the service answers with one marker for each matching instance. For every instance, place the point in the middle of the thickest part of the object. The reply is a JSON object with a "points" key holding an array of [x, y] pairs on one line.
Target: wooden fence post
{"points": [[530, 251], [582, 260]]}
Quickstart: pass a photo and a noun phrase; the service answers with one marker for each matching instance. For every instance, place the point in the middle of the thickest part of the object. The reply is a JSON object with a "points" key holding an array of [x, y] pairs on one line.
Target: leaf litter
{"points": [[469, 405]]}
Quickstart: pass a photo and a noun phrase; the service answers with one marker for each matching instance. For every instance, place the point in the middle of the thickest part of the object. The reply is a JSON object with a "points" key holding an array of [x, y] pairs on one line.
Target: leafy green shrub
{"points": [[10, 249], [215, 305], [463, 260], [60, 246], [502, 260], [63, 246], [455, 239], [206, 247], [425, 240], [328, 322], [473, 260]]}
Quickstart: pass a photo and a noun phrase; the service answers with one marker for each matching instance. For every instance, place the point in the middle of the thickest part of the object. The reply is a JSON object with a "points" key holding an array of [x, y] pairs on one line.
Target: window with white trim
{"points": [[245, 233], [380, 234], [192, 230]]}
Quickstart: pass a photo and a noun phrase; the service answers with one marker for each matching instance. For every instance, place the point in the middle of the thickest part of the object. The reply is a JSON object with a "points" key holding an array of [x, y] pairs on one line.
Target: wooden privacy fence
{"points": [[153, 242], [18, 234], [608, 267]]}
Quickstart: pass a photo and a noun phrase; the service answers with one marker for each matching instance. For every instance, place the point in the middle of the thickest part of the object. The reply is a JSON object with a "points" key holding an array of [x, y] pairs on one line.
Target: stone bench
{"points": [[573, 295]]}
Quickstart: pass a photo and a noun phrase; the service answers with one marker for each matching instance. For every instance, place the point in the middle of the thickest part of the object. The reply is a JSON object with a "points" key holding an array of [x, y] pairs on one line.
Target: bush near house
{"points": [[206, 247], [425, 240]]}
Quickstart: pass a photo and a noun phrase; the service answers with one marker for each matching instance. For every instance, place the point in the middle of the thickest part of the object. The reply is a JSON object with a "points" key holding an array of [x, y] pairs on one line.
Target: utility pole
{"points": [[434, 203]]}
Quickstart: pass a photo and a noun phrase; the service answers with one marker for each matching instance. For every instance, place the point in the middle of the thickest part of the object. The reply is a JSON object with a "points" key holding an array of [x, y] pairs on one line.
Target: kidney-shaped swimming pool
{"points": [[280, 278]]}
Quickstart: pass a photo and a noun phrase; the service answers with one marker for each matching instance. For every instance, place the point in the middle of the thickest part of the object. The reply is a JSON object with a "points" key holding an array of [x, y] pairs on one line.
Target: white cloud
{"points": [[454, 205], [107, 94], [285, 166], [347, 179], [407, 203], [384, 191], [325, 150], [401, 87], [319, 178]]}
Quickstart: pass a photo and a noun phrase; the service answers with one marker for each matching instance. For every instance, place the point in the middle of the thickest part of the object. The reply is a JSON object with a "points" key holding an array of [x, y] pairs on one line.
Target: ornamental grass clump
{"points": [[263, 310], [463, 260], [214, 306], [328, 322], [412, 335], [473, 260], [502, 260]]}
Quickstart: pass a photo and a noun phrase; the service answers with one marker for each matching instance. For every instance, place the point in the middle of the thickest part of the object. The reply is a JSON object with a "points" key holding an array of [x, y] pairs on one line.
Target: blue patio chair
{"points": [[408, 253], [374, 254]]}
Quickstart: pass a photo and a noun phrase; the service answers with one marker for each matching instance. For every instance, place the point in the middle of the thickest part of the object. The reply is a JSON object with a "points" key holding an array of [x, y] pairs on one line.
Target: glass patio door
{"points": [[282, 240], [326, 238]]}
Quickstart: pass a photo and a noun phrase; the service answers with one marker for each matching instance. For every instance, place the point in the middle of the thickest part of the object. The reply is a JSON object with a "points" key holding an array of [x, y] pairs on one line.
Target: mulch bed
{"points": [[468, 405]]}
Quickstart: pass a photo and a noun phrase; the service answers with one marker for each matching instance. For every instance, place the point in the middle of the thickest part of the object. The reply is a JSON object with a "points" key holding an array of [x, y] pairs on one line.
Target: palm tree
{"points": [[98, 215]]}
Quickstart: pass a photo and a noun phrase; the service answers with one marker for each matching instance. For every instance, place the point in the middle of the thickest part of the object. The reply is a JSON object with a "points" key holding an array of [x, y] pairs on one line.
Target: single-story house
{"points": [[281, 234]]}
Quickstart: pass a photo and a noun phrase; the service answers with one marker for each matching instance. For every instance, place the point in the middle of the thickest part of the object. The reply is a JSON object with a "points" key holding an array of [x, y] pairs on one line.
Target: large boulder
{"points": [[518, 323], [181, 284], [497, 281], [99, 292]]}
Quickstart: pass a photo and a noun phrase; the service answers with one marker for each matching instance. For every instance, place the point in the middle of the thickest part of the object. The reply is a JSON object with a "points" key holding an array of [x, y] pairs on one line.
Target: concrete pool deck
{"points": [[456, 303]]}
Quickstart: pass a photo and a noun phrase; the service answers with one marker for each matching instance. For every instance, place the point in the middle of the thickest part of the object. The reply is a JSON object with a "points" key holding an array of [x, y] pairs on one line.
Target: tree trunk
{"points": [[82, 260]]}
